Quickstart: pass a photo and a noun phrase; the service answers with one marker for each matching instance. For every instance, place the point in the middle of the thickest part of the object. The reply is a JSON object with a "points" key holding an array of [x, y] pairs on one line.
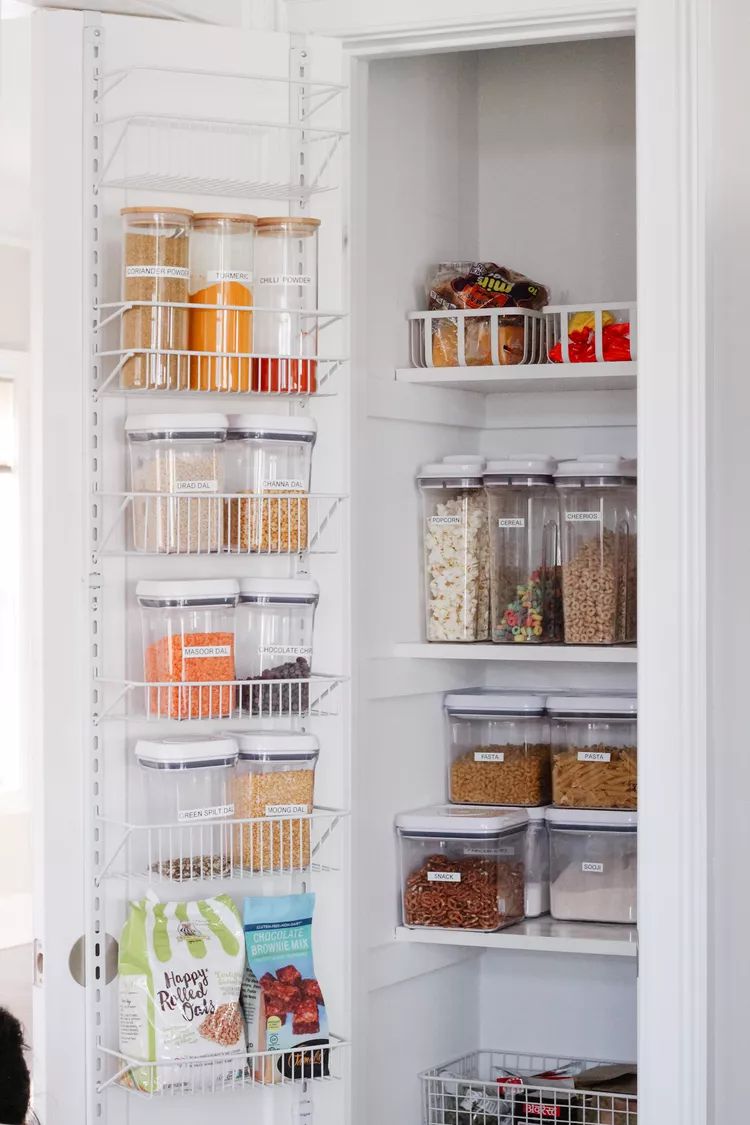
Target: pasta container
{"points": [[462, 867], [499, 748], [524, 531], [599, 546], [177, 475], [594, 751], [188, 647], [593, 865], [275, 779]]}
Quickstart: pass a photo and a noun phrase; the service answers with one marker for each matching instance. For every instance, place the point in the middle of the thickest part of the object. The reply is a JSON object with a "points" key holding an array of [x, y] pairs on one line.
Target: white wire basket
{"points": [[500, 1088], [594, 339], [476, 337]]}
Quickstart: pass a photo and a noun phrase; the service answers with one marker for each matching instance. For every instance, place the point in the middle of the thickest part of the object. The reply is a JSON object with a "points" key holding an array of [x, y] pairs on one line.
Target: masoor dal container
{"points": [[593, 865], [594, 751]]}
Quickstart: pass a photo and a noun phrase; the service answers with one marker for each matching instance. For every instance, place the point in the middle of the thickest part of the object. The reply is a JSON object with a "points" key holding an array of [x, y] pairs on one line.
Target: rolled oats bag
{"points": [[180, 974]]}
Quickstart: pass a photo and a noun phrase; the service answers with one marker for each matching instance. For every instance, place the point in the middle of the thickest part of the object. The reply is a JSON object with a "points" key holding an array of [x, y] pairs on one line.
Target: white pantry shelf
{"points": [[532, 378], [541, 654], [540, 935]]}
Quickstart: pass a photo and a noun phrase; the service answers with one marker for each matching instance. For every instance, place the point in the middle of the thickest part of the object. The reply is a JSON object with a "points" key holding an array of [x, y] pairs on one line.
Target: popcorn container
{"points": [[456, 551]]}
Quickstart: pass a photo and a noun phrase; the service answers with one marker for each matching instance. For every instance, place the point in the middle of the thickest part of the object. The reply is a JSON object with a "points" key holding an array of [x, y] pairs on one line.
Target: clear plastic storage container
{"points": [[456, 551], [180, 459], [286, 334], [525, 576], [188, 647], [499, 749], [221, 273], [155, 271], [275, 621], [275, 778], [462, 868], [269, 456], [537, 863], [594, 751], [598, 509], [593, 865], [186, 785]]}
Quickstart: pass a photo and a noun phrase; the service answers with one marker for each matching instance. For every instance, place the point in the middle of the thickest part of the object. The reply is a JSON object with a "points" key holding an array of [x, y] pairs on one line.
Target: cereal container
{"points": [[462, 868], [499, 749], [177, 474], [186, 788], [275, 622], [594, 751], [221, 273], [155, 277], [593, 865], [270, 457], [275, 779], [524, 531], [598, 512], [456, 551], [188, 647]]}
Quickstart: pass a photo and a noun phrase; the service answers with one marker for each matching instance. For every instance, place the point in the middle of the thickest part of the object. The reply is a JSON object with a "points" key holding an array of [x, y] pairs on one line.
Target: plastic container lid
{"points": [[177, 426], [277, 746], [483, 704], [464, 459], [538, 813], [522, 464], [271, 426], [569, 706], [592, 818], [186, 753], [463, 471], [597, 465], [279, 590], [461, 820], [197, 591]]}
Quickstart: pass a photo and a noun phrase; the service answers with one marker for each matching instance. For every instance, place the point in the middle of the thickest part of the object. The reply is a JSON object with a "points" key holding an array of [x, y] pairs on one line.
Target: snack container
{"points": [[462, 867], [593, 865], [188, 647], [499, 748], [599, 546], [594, 751]]}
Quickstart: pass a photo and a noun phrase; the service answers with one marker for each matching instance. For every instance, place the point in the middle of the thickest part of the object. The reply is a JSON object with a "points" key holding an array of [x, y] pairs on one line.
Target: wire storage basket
{"points": [[591, 333], [476, 337]]}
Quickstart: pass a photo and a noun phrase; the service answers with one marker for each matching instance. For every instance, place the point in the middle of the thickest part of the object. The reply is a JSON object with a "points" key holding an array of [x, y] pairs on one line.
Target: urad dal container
{"points": [[177, 473], [599, 546], [594, 751], [275, 779], [593, 865], [188, 647], [456, 551], [462, 867], [499, 748]]}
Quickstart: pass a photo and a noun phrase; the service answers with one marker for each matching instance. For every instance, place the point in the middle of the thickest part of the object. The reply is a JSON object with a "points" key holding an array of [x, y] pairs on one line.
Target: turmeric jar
{"points": [[222, 248]]}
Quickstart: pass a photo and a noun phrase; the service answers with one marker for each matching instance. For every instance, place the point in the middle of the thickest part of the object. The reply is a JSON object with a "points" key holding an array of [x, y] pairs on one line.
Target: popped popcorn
{"points": [[456, 547]]}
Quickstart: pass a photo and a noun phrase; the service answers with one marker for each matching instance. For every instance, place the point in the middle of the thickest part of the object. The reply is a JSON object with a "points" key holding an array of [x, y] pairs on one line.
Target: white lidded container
{"points": [[594, 751], [188, 647], [274, 779], [599, 546], [462, 867], [275, 623], [270, 457], [456, 551], [499, 748], [593, 865], [177, 473], [186, 783]]}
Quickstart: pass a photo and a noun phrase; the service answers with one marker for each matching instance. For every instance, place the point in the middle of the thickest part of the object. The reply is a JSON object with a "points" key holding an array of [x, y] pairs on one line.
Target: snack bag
{"points": [[278, 937], [180, 973]]}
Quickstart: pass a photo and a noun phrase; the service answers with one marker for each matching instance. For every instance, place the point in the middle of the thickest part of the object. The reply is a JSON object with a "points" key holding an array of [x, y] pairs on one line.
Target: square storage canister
{"points": [[594, 751], [593, 865]]}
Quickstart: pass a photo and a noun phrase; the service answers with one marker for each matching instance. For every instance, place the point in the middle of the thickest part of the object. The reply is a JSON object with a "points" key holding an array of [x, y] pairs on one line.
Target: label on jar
{"points": [[212, 276], [583, 517], [443, 876], [205, 652], [445, 521], [594, 756], [489, 756], [286, 810], [158, 272], [209, 813], [511, 521], [285, 279], [196, 486], [592, 868], [284, 650], [285, 484]]}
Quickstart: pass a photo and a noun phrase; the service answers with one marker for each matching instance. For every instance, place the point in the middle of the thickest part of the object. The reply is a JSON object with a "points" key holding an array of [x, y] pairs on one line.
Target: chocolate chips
{"points": [[263, 698]]}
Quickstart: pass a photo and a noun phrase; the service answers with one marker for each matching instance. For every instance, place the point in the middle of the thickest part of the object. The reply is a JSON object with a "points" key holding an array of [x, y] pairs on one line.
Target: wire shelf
{"points": [[228, 1071], [219, 523], [500, 1086], [217, 699], [476, 337], [206, 848]]}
